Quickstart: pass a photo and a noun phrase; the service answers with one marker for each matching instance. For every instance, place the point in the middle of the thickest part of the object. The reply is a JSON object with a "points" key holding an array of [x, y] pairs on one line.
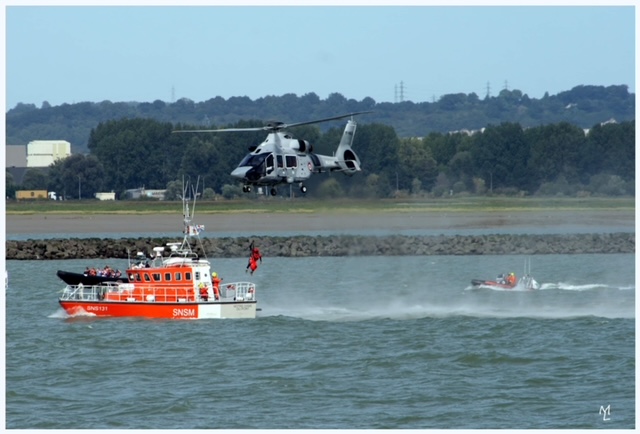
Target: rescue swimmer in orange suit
{"points": [[253, 258]]}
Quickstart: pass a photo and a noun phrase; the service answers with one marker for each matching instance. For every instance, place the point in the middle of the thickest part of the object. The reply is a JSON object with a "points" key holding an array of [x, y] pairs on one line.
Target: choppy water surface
{"points": [[351, 342]]}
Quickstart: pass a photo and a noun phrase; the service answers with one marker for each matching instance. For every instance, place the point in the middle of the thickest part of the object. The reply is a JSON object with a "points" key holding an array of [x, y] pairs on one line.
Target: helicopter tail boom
{"points": [[347, 159]]}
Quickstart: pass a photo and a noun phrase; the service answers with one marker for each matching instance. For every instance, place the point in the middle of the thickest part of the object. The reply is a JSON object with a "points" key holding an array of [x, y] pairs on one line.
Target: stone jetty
{"points": [[334, 245]]}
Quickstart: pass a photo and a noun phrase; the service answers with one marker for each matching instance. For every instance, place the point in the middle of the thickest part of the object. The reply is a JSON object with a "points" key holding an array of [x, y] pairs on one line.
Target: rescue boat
{"points": [[502, 282], [525, 282], [175, 283], [72, 278]]}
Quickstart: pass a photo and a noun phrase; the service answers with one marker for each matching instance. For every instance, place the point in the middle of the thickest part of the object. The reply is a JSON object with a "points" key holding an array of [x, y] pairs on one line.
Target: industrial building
{"points": [[36, 154], [43, 153]]}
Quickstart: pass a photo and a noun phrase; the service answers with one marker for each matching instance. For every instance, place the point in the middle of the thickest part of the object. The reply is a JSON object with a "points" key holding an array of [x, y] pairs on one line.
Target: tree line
{"points": [[505, 158], [582, 106]]}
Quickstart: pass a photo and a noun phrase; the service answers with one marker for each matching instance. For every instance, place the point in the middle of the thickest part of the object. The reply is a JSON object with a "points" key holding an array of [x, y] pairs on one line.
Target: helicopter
{"points": [[283, 159]]}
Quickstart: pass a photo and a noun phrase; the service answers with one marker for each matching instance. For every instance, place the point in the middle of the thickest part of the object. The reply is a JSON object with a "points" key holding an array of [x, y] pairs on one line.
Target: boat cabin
{"points": [[173, 273]]}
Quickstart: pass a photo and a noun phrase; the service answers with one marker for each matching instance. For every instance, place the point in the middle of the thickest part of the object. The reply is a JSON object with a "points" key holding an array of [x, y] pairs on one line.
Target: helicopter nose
{"points": [[240, 172]]}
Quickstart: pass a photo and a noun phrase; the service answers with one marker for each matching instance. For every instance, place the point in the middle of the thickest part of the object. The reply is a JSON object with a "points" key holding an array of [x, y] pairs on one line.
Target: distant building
{"points": [[38, 154], [16, 162], [31, 194], [43, 153], [106, 196], [137, 193], [16, 156]]}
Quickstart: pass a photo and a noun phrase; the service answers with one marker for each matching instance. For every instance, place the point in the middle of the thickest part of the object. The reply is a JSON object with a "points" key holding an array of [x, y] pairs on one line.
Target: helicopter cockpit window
{"points": [[254, 160], [245, 160], [291, 160], [279, 159]]}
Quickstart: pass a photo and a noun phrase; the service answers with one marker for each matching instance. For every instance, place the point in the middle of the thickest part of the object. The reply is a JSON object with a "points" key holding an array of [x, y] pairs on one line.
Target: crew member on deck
{"points": [[216, 285], [204, 295]]}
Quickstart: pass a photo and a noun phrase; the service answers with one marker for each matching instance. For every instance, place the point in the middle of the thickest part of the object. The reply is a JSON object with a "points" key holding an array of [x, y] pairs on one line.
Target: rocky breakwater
{"points": [[336, 245]]}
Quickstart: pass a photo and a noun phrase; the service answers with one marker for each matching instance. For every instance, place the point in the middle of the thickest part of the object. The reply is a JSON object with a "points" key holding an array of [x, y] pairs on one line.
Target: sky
{"points": [[89, 52]]}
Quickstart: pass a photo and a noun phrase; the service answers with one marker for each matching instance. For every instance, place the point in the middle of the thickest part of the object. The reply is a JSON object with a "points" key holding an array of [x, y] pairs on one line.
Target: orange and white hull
{"points": [[235, 300], [180, 310]]}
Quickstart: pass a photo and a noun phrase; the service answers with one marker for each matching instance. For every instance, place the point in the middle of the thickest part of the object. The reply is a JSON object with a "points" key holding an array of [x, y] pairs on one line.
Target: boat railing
{"points": [[118, 292], [87, 292], [238, 291]]}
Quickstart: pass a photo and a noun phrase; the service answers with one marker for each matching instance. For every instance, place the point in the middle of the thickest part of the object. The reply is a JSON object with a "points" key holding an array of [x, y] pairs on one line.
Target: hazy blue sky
{"points": [[68, 54]]}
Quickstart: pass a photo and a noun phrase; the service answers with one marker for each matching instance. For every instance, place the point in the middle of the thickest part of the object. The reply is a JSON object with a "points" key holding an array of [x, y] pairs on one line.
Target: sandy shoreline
{"points": [[300, 222]]}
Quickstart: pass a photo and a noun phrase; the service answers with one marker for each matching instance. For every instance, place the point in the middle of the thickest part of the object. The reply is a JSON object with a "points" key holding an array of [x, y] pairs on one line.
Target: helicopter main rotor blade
{"points": [[325, 120], [272, 126], [220, 131]]}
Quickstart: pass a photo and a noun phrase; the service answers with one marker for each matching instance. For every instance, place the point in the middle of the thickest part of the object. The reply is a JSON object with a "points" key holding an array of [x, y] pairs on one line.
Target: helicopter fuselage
{"points": [[269, 168], [283, 159], [280, 159]]}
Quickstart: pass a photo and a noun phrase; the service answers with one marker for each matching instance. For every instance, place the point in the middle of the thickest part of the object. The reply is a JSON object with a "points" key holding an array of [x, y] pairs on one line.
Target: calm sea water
{"points": [[350, 342]]}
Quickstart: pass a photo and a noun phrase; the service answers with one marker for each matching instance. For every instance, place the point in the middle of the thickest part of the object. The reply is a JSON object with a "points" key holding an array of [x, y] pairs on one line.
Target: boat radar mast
{"points": [[190, 230]]}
